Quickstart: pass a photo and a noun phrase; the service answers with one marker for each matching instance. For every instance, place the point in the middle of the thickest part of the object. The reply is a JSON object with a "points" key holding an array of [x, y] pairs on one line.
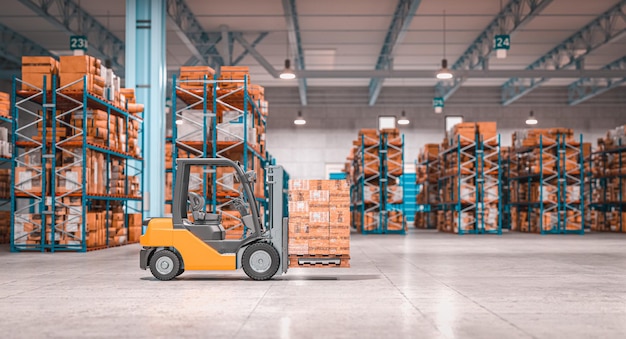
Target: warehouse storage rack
{"points": [[472, 184], [34, 106], [428, 190], [556, 210], [199, 110], [6, 122], [371, 192], [5, 197], [506, 162], [605, 203]]}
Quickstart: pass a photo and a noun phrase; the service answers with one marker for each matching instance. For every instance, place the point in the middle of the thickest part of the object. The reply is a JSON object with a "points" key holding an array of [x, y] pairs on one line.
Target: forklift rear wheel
{"points": [[164, 265], [260, 261]]}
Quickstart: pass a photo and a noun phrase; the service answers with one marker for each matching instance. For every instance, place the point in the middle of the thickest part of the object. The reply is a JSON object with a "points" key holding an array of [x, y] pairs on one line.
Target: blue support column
{"points": [[146, 72]]}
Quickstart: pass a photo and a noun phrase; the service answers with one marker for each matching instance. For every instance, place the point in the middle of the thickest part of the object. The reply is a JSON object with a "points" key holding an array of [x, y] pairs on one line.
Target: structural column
{"points": [[146, 71]]}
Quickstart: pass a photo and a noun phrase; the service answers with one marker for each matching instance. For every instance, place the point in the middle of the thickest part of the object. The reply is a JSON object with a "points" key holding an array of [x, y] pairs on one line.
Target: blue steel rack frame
{"points": [[205, 141], [480, 183], [553, 204], [599, 180], [377, 182], [57, 104]]}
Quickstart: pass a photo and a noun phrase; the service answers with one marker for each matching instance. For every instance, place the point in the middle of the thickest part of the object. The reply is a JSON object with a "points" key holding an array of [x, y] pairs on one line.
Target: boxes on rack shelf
{"points": [[5, 105], [35, 68], [81, 72], [193, 77], [233, 73]]}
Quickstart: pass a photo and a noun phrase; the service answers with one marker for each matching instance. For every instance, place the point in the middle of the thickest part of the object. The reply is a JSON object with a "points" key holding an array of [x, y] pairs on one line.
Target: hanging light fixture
{"points": [[444, 73], [299, 120], [531, 119], [403, 119], [287, 73]]}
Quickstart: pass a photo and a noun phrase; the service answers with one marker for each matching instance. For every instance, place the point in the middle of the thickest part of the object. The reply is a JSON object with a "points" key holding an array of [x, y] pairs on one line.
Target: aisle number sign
{"points": [[502, 41], [438, 102], [78, 42]]}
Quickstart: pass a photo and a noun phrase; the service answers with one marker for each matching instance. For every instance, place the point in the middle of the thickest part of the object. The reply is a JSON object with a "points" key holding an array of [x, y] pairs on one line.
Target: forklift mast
{"points": [[278, 220]]}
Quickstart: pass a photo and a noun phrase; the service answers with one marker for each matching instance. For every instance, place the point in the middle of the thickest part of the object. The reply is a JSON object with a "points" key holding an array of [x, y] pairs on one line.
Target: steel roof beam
{"points": [[253, 45], [515, 15], [259, 58], [405, 10], [14, 45], [482, 74], [587, 88], [293, 34], [200, 43], [69, 17], [606, 28]]}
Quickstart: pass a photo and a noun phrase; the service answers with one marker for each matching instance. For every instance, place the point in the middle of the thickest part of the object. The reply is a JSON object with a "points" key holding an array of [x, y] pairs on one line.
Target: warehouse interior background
{"points": [[494, 228], [341, 35]]}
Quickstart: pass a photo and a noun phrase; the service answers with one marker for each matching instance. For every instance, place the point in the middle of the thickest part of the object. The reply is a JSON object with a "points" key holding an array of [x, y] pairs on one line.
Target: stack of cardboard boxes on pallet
{"points": [[608, 166], [319, 220], [540, 157]]}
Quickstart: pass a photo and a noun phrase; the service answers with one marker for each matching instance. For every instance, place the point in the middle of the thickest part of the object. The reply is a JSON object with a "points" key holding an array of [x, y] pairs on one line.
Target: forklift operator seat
{"points": [[201, 217]]}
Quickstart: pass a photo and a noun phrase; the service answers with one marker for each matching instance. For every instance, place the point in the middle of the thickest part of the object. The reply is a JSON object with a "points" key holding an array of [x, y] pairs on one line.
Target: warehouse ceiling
{"points": [[349, 34]]}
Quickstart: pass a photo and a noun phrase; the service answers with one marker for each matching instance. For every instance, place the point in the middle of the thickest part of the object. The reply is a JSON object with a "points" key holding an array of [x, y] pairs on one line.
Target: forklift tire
{"points": [[260, 261], [180, 271], [164, 265]]}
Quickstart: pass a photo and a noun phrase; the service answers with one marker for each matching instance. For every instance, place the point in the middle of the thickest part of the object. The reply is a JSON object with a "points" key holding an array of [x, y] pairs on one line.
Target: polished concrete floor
{"points": [[423, 285]]}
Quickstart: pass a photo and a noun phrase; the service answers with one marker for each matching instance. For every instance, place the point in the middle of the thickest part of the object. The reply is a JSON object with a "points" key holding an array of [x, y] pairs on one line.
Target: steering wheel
{"points": [[196, 201]]}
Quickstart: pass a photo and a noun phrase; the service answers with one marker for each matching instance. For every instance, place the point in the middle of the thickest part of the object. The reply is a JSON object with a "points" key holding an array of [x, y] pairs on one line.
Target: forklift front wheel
{"points": [[164, 265], [260, 261]]}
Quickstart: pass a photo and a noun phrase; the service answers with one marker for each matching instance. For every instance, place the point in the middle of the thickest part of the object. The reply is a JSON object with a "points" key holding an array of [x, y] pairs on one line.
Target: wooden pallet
{"points": [[344, 261], [97, 248]]}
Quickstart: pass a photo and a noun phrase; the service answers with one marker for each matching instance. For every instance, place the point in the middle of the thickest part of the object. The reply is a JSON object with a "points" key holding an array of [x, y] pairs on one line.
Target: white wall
{"points": [[334, 117]]}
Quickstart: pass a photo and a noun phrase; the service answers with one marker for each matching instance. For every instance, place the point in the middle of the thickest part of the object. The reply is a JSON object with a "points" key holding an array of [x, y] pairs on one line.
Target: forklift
{"points": [[180, 243]]}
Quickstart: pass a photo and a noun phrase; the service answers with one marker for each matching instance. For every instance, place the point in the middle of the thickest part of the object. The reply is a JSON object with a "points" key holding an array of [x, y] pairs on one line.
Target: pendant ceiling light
{"points": [[403, 119], [299, 120], [531, 119], [444, 73], [287, 73]]}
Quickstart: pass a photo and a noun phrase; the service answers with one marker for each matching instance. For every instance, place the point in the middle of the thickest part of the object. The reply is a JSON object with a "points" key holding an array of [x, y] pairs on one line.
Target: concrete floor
{"points": [[424, 285]]}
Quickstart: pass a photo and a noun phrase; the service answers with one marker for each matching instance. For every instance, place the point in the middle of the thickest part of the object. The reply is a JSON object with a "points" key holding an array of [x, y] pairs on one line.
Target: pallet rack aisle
{"points": [[219, 116], [427, 169], [608, 183], [546, 181], [470, 181], [77, 181], [376, 194]]}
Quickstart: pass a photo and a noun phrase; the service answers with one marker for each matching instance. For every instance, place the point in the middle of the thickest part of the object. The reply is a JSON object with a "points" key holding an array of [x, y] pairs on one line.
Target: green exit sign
{"points": [[78, 42], [502, 41], [438, 102]]}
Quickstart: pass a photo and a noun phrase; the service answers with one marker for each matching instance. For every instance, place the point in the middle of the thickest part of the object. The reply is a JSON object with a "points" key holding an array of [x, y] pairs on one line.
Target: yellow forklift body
{"points": [[197, 255]]}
